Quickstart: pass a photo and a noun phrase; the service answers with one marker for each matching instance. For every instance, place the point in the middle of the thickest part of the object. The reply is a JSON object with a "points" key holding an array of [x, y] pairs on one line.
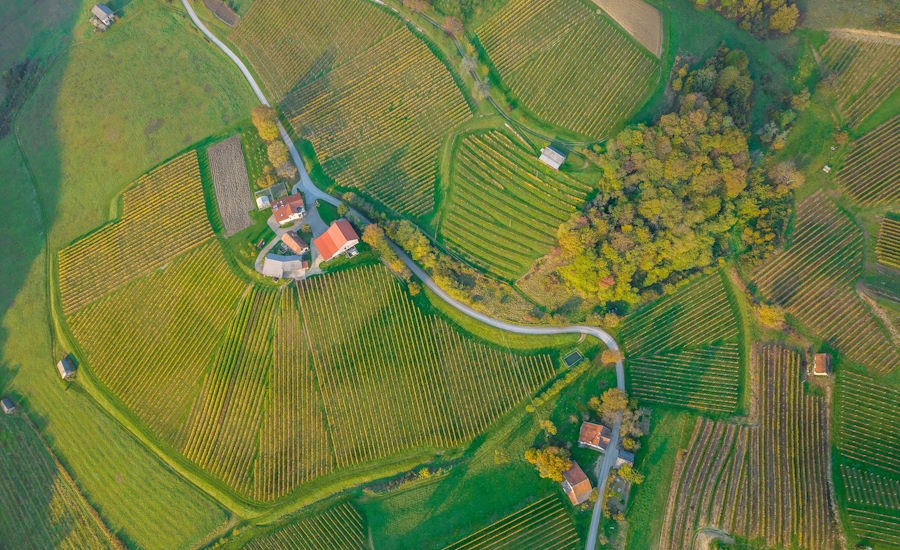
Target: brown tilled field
{"points": [[229, 175], [642, 21]]}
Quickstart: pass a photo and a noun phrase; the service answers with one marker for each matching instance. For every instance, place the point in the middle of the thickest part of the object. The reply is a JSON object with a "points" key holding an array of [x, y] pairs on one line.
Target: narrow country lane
{"points": [[313, 193]]}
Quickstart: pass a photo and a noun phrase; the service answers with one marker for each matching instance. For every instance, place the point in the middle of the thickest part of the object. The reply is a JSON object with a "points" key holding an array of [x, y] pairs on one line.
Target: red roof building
{"points": [[289, 209], [576, 485], [821, 364], [594, 436], [339, 238], [294, 242]]}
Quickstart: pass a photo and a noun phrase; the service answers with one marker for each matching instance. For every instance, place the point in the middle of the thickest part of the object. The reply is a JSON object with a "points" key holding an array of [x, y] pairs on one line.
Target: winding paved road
{"points": [[312, 192]]}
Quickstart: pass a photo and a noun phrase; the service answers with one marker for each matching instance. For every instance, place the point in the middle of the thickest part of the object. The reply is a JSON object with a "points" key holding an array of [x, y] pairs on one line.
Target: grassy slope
{"points": [[89, 154]]}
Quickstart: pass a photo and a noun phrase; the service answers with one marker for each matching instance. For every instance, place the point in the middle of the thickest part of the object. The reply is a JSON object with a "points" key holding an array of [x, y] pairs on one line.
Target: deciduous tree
{"points": [[550, 461]]}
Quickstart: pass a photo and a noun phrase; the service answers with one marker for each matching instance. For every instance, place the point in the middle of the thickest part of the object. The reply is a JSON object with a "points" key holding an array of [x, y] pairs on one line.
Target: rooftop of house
{"points": [[576, 484], [552, 157], [287, 207], [294, 242], [821, 363], [339, 235], [594, 435]]}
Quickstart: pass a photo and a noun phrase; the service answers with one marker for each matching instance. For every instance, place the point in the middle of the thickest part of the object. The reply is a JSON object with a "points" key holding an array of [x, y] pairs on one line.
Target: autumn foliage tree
{"points": [[264, 118], [550, 461]]}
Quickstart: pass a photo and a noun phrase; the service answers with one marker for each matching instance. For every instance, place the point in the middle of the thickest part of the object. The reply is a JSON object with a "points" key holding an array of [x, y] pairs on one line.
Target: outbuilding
{"points": [[821, 364], [284, 267], [624, 457], [7, 405], [552, 157], [295, 243], [66, 368], [102, 16], [576, 485]]}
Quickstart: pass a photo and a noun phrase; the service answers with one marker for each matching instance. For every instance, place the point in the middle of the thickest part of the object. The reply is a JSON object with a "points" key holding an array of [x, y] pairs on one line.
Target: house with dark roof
{"points": [[293, 241], [7, 405], [340, 238], [576, 485], [66, 368], [289, 209], [102, 16], [594, 436], [624, 457]]}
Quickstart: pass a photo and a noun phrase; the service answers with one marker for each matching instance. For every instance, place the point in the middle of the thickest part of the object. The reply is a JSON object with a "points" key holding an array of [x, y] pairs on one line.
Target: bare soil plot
{"points": [[642, 21], [229, 175]]}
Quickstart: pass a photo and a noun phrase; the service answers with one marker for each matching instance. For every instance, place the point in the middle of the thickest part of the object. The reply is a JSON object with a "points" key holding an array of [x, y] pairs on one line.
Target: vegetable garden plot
{"points": [[765, 482], [813, 279], [504, 206], [40, 506], [341, 527], [543, 524], [150, 341], [378, 120], [163, 215], [871, 172], [865, 72], [682, 350], [887, 248], [568, 64], [229, 175]]}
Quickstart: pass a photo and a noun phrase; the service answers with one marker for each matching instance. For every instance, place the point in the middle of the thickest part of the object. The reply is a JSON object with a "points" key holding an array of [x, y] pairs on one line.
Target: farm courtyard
{"points": [[476, 274]]}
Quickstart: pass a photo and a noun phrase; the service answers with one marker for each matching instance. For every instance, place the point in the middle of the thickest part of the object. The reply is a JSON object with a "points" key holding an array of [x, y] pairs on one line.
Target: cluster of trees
{"points": [[759, 17], [670, 194], [374, 236], [265, 119], [609, 406]]}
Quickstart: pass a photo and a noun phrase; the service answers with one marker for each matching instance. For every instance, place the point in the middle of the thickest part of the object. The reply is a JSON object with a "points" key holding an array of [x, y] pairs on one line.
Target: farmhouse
{"points": [[576, 485], [821, 364], [594, 436], [102, 17], [624, 457], [339, 238], [284, 267], [552, 157], [293, 241], [289, 209], [7, 405], [66, 368]]}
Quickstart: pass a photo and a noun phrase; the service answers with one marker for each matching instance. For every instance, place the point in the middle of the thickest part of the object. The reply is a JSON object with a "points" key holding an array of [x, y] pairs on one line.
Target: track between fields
{"points": [[602, 467]]}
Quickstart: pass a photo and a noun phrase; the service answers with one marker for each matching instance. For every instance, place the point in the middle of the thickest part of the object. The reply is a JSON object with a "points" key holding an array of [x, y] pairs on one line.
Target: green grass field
{"points": [[504, 206], [567, 64], [42, 506], [683, 350]]}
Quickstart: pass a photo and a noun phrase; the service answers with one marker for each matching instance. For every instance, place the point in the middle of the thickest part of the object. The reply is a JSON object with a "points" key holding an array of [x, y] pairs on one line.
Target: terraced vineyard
{"points": [[163, 215], [377, 121], [767, 482], [504, 206], [871, 171], [865, 72], [868, 489], [222, 432], [160, 333], [341, 527], [41, 506], [568, 64], [290, 42], [393, 379], [543, 524], [814, 277], [683, 349], [887, 248], [869, 421]]}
